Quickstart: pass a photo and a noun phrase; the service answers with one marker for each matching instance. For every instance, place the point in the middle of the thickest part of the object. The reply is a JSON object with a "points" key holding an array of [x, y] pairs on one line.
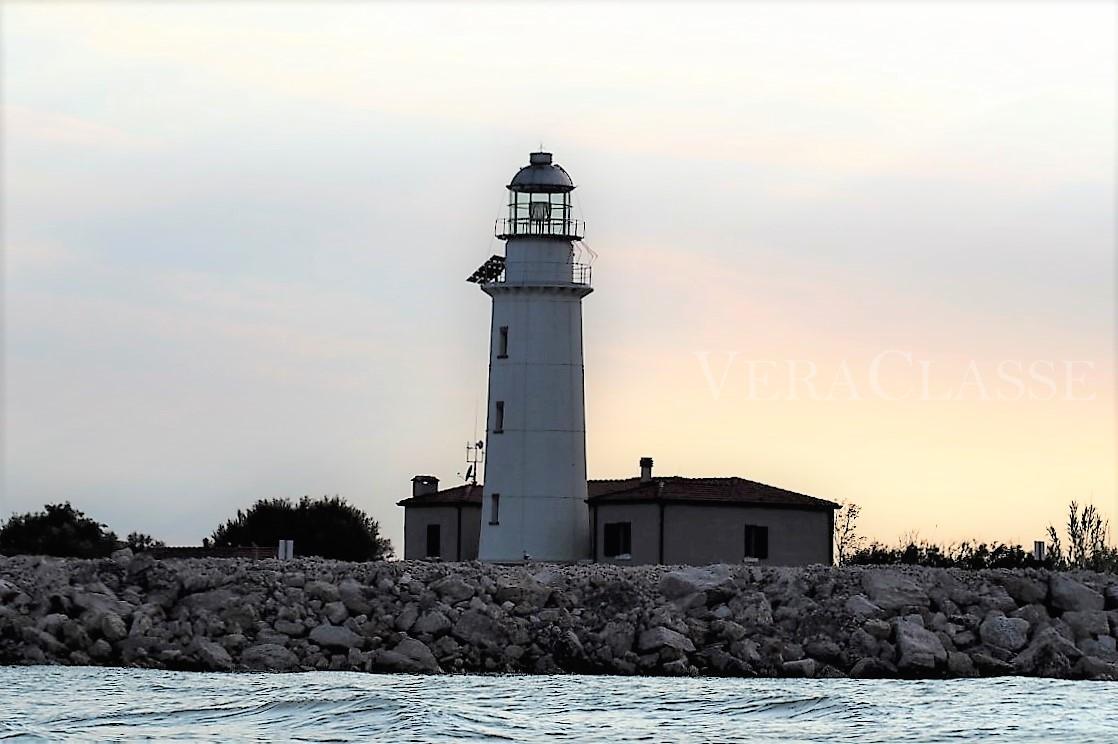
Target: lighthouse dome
{"points": [[541, 175]]}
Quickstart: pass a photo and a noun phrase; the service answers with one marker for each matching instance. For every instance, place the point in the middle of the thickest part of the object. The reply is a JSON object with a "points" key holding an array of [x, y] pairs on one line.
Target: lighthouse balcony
{"points": [[546, 227], [497, 271]]}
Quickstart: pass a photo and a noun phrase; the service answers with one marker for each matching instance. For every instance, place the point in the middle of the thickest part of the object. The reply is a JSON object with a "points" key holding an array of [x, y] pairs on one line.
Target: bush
{"points": [[326, 527], [139, 542], [60, 530], [959, 555]]}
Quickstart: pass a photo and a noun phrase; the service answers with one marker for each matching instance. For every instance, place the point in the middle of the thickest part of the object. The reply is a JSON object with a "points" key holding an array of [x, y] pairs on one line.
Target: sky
{"points": [[863, 251]]}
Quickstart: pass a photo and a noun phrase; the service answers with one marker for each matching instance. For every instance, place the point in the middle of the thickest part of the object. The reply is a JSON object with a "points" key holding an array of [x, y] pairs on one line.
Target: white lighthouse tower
{"points": [[535, 477]]}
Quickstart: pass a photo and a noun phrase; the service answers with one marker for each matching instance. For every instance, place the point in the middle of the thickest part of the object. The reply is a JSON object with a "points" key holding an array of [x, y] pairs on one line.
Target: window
{"points": [[618, 539], [503, 343], [499, 417], [434, 541], [756, 541], [494, 508]]}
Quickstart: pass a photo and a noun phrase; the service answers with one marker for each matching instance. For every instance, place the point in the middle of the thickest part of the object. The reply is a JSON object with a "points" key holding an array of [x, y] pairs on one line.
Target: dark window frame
{"points": [[499, 417], [757, 541], [617, 539], [503, 342], [434, 529], [494, 508]]}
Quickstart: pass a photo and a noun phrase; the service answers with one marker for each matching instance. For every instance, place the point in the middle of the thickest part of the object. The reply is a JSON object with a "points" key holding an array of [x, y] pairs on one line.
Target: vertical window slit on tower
{"points": [[503, 343], [499, 417], [495, 508]]}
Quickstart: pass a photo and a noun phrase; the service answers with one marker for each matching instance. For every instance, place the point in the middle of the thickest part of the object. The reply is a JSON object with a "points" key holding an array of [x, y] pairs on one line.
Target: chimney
{"points": [[421, 485], [646, 469]]}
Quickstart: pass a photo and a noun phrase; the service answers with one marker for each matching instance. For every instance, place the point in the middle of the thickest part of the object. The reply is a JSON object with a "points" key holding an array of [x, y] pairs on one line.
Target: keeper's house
{"points": [[644, 519]]}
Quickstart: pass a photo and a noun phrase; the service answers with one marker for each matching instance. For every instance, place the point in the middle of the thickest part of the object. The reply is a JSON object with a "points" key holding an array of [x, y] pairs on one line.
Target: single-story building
{"points": [[646, 519]]}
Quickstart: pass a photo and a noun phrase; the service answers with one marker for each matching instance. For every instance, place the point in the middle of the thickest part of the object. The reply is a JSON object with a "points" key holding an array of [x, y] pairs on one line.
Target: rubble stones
{"points": [[420, 617]]}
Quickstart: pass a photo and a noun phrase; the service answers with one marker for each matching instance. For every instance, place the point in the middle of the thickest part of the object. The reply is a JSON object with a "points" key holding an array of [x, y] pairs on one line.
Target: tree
{"points": [[1087, 533], [59, 530], [140, 542], [328, 527], [847, 539]]}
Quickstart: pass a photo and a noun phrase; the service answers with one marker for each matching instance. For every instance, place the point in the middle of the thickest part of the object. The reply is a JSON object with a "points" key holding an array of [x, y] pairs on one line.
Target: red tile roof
{"points": [[466, 493], [671, 489]]}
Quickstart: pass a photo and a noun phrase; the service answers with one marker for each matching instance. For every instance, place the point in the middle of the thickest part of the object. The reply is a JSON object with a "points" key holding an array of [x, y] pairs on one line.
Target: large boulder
{"points": [[432, 622], [269, 657], [525, 592], [859, 605], [453, 589], [212, 656], [336, 637], [891, 590], [1069, 595], [409, 655], [1048, 655], [113, 627], [1087, 623], [99, 602], [1024, 590], [477, 628], [692, 580], [1010, 633], [212, 601], [654, 639], [920, 649], [323, 591]]}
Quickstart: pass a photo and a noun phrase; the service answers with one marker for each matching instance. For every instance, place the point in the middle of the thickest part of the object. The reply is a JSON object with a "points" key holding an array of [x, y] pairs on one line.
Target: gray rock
{"points": [[336, 637], [892, 591], [407, 617], [432, 622], [920, 649], [1048, 655], [1088, 667], [1069, 595], [800, 668], [1011, 633], [335, 612], [526, 593], [1087, 623], [988, 666], [879, 629], [121, 557], [1024, 590], [660, 637], [323, 591], [871, 668], [960, 664], [352, 594], [292, 628], [113, 627], [269, 657], [860, 606], [212, 655], [478, 628], [100, 649], [99, 602], [212, 601], [691, 580], [453, 589]]}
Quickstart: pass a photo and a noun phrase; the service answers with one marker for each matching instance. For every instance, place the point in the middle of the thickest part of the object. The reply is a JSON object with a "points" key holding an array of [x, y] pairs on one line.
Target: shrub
{"points": [[326, 527], [59, 530]]}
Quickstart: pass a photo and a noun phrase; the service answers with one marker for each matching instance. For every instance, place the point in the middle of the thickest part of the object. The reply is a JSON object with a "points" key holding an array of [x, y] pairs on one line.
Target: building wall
{"points": [[644, 536], [699, 535], [416, 520]]}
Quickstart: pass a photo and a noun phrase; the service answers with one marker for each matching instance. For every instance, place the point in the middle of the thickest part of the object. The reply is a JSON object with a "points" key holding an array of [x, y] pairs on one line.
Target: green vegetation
{"points": [[59, 530], [326, 527], [1086, 537]]}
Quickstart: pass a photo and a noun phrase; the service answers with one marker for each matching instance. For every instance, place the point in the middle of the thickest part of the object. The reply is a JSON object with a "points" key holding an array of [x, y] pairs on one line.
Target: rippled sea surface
{"points": [[92, 704]]}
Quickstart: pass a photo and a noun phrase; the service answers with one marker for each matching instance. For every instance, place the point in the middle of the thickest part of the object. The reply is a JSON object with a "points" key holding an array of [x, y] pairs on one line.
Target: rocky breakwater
{"points": [[231, 614]]}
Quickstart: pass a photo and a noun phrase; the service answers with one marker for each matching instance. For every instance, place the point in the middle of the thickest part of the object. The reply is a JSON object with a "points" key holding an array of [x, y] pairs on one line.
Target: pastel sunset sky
{"points": [[863, 251]]}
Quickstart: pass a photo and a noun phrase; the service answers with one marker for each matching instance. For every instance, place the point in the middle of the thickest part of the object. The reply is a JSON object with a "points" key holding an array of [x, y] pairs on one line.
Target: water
{"points": [[90, 704]]}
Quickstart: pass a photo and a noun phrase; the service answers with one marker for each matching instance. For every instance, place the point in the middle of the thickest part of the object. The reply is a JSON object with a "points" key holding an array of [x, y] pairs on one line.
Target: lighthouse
{"points": [[534, 498]]}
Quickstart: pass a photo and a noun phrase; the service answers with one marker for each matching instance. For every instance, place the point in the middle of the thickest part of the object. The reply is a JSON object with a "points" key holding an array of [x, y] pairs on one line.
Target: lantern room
{"points": [[540, 203]]}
